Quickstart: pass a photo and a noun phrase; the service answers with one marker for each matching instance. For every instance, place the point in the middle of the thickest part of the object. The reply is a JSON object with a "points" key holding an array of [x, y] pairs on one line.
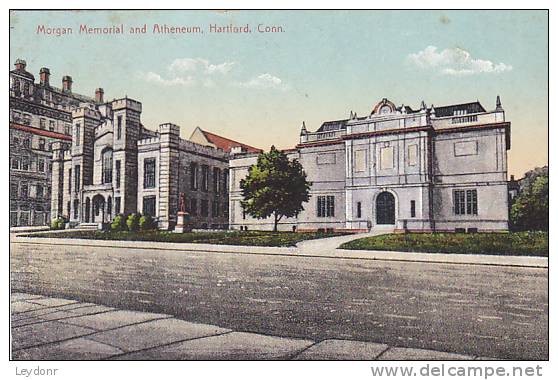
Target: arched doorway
{"points": [[385, 208], [98, 209]]}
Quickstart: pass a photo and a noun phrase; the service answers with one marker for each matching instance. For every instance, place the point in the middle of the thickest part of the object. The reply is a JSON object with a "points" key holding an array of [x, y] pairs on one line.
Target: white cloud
{"points": [[455, 61], [176, 81], [199, 65], [262, 81]]}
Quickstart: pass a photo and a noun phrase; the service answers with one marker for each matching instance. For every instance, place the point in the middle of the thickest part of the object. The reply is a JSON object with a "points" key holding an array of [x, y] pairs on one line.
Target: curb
{"points": [[433, 258]]}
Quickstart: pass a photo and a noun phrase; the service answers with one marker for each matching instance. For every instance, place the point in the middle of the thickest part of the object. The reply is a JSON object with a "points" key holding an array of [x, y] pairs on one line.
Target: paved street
{"points": [[486, 311]]}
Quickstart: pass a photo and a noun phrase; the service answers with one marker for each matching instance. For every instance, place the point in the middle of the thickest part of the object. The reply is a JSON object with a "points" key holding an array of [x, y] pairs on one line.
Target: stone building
{"points": [[40, 115], [396, 168], [115, 165]]}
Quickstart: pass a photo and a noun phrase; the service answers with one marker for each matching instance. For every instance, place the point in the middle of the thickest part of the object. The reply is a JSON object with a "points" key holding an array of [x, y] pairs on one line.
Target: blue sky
{"points": [[259, 87]]}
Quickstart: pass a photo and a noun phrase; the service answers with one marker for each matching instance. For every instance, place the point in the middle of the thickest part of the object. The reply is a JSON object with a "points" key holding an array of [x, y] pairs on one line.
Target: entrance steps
{"points": [[88, 226]]}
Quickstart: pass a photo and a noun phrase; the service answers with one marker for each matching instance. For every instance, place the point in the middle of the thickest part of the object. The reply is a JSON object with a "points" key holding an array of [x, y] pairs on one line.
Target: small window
{"points": [[326, 206], [78, 134], [359, 210], [149, 206], [41, 165], [27, 143], [77, 176], [193, 207], [51, 125], [216, 180], [193, 176], [413, 209], [42, 123], [117, 205], [205, 178], [204, 207], [24, 191], [40, 191], [42, 144], [117, 185], [465, 202], [119, 127], [76, 208]]}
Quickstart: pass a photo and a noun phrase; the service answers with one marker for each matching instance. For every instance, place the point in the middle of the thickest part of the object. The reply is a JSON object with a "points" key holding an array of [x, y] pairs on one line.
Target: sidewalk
{"points": [[45, 328], [322, 248]]}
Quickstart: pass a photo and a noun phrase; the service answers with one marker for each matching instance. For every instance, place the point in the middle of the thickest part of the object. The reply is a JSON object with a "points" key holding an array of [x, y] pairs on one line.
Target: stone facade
{"points": [[40, 115], [117, 166], [431, 169]]}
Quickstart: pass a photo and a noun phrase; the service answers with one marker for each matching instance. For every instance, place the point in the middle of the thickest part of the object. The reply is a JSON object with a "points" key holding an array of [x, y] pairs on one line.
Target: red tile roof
{"points": [[41, 132], [227, 144]]}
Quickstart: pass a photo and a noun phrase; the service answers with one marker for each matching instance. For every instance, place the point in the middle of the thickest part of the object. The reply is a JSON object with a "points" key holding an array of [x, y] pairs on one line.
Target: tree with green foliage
{"points": [[118, 223], [133, 222], [275, 186], [529, 209]]}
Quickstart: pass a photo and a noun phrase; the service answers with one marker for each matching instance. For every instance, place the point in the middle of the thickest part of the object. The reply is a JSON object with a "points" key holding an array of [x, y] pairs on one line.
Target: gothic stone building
{"points": [[431, 169], [115, 165], [40, 115]]}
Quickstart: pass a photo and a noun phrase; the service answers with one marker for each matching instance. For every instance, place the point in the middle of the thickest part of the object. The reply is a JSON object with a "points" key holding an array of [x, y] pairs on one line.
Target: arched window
{"points": [[106, 157]]}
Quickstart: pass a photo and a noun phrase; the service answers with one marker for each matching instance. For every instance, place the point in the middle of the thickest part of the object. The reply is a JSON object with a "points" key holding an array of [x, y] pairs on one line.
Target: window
{"points": [[193, 206], [359, 210], [205, 177], [77, 175], [24, 193], [149, 173], [386, 157], [243, 212], [216, 180], [24, 218], [14, 187], [76, 208], [193, 176], [78, 132], [40, 191], [15, 163], [13, 219], [25, 163], [41, 144], [360, 161], [67, 129], [117, 185], [51, 125], [204, 207], [413, 209], [26, 143], [69, 182], [326, 206], [107, 165], [149, 206], [226, 181], [41, 165], [215, 209], [42, 123], [117, 205], [119, 127], [16, 141], [465, 202], [68, 208], [226, 210], [412, 153]]}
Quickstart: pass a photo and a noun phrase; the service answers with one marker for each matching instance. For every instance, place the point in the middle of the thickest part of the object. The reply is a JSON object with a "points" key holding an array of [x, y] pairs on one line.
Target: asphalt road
{"points": [[491, 311]]}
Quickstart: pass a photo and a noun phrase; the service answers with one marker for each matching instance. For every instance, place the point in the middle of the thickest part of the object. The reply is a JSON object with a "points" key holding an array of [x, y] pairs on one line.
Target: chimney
{"points": [[99, 95], [20, 64], [67, 83], [44, 76]]}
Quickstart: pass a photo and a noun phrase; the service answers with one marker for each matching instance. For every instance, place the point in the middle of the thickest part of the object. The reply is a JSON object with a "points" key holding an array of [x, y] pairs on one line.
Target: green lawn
{"points": [[252, 238], [513, 243]]}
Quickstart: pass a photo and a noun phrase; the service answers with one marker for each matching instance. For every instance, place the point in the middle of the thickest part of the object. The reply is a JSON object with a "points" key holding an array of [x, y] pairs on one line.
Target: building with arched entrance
{"points": [[426, 169], [114, 165]]}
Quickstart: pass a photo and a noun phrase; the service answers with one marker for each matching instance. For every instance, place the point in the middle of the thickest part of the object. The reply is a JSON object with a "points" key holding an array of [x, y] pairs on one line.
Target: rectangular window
{"points": [[14, 187], [193, 207], [465, 202], [24, 193], [413, 209], [326, 206], [41, 144], [204, 207], [149, 206], [205, 178], [386, 157], [40, 191], [15, 163], [216, 180], [117, 185], [70, 181], [119, 127], [193, 176], [42, 123], [215, 209], [412, 153], [76, 208], [51, 125], [41, 165], [226, 181], [77, 175], [78, 134], [13, 219], [359, 210], [149, 173], [360, 161], [117, 205], [67, 129], [24, 218]]}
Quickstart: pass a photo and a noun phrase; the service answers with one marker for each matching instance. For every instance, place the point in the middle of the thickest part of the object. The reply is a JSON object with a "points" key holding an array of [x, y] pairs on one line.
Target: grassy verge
{"points": [[251, 238], [513, 243]]}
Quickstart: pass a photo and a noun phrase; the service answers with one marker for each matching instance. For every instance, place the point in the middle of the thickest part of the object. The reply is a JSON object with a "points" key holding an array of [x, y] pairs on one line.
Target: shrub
{"points": [[58, 223], [133, 222], [118, 223], [146, 222]]}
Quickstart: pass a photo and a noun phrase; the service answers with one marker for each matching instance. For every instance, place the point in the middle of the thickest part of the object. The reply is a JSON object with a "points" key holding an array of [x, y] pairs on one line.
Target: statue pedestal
{"points": [[182, 222]]}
